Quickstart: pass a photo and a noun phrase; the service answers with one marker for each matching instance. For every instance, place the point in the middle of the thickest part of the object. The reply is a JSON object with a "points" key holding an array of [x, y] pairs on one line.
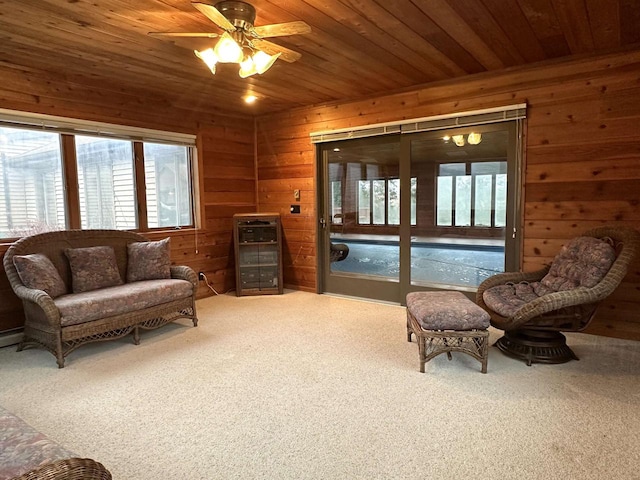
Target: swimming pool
{"points": [[466, 265]]}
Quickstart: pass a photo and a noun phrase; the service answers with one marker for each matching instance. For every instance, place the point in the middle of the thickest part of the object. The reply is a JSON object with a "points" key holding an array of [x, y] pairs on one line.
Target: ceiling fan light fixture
{"points": [[227, 49], [247, 67], [241, 37], [209, 57], [264, 61]]}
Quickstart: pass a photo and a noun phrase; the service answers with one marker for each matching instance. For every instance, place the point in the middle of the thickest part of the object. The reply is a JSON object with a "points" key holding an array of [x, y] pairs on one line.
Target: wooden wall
{"points": [[582, 160], [226, 163], [582, 165]]}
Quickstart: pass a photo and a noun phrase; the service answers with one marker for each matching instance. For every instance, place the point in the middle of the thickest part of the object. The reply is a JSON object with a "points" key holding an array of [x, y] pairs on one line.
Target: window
{"points": [[471, 194], [168, 185], [379, 201], [31, 183], [336, 202], [111, 183], [364, 200], [106, 183]]}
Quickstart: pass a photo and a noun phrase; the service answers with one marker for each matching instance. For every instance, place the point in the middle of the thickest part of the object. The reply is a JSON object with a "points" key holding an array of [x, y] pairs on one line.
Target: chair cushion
{"points": [[93, 268], [149, 260], [446, 311], [583, 262], [130, 297], [37, 271], [507, 299]]}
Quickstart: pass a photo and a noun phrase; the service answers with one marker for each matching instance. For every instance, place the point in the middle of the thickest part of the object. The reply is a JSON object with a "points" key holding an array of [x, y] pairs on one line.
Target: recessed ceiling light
{"points": [[250, 98], [336, 149]]}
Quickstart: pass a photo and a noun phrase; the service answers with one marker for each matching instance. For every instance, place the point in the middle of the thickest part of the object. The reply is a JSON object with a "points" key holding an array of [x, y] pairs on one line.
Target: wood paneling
{"points": [[582, 158], [356, 48], [94, 61]]}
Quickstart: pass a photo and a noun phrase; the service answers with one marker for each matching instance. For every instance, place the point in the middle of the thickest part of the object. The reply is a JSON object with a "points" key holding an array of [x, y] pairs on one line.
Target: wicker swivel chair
{"points": [[533, 308]]}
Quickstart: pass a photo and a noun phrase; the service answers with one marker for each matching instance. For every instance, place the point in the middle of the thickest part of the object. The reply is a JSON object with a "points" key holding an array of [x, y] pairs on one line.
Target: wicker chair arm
{"points": [[68, 469], [182, 272], [554, 301], [40, 298]]}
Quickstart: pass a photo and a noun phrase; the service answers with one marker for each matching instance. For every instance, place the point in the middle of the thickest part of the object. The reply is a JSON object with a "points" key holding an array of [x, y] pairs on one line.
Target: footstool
{"points": [[445, 322]]}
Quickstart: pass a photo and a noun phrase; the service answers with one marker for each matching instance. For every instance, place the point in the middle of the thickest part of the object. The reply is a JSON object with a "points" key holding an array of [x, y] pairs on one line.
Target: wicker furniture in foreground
{"points": [[445, 322], [68, 469], [26, 453], [63, 323], [534, 307]]}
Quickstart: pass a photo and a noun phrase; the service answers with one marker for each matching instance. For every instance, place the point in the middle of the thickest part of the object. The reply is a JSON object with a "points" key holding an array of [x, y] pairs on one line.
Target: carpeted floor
{"points": [[304, 386]]}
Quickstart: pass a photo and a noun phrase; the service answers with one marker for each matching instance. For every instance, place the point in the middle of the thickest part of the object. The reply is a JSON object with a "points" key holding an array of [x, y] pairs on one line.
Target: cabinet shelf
{"points": [[258, 248], [251, 265]]}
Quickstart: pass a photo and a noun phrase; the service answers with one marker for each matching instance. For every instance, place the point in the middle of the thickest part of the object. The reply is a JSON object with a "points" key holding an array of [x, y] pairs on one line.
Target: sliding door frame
{"points": [[396, 291]]}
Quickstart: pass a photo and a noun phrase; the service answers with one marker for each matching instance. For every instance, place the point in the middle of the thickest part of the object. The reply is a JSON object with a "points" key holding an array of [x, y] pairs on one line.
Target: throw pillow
{"points": [[37, 271], [149, 260], [93, 268]]}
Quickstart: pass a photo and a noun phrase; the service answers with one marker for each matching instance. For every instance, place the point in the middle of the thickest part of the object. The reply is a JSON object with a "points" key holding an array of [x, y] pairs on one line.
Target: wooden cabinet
{"points": [[258, 248]]}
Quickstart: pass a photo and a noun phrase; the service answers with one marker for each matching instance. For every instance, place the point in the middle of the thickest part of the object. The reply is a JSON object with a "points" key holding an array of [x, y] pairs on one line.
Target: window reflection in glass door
{"points": [[459, 239], [363, 216]]}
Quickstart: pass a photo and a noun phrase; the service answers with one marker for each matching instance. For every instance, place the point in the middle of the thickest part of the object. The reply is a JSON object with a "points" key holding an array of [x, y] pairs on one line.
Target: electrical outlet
{"points": [[200, 275], [296, 194]]}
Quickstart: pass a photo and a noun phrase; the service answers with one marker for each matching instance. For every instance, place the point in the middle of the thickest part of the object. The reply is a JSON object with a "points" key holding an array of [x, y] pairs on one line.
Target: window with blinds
{"points": [[34, 162]]}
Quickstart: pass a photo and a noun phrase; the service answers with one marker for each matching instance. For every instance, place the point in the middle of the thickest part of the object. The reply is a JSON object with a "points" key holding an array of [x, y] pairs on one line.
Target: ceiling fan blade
{"points": [[183, 34], [273, 48], [281, 29], [215, 16]]}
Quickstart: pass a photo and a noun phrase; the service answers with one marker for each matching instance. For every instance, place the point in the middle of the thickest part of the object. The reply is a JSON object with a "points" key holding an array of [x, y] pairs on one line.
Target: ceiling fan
{"points": [[242, 42]]}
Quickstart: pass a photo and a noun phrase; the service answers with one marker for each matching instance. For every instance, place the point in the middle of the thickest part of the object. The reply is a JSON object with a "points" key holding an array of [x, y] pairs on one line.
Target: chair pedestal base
{"points": [[534, 346]]}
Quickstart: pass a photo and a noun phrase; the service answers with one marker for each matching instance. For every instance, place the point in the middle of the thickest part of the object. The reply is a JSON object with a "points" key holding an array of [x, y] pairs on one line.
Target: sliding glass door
{"points": [[361, 218], [432, 210], [466, 204]]}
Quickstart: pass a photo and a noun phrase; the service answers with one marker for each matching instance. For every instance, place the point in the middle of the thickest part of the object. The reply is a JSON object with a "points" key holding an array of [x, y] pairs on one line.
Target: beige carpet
{"points": [[304, 386]]}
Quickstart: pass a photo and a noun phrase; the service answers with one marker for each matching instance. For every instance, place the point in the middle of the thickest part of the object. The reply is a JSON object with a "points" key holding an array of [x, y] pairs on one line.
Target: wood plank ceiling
{"points": [[357, 48]]}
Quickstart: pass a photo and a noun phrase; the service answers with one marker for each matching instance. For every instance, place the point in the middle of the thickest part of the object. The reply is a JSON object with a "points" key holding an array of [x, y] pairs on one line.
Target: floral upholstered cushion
{"points": [[23, 448], [507, 299], [93, 268], [583, 262], [446, 311], [37, 271], [149, 260], [121, 299]]}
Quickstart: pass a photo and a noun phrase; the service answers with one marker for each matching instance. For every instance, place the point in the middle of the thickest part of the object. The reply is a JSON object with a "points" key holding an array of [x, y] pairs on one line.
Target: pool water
{"points": [[430, 263]]}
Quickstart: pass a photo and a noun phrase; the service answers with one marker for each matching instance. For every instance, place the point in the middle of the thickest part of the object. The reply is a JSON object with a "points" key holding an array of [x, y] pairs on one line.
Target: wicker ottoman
{"points": [[445, 322]]}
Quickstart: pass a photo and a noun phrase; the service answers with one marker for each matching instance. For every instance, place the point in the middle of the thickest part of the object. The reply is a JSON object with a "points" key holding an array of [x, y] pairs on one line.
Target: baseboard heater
{"points": [[12, 337]]}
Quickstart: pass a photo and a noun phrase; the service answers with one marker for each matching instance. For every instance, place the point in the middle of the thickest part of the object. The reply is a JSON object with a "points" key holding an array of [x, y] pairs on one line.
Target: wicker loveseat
{"points": [[95, 285]]}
